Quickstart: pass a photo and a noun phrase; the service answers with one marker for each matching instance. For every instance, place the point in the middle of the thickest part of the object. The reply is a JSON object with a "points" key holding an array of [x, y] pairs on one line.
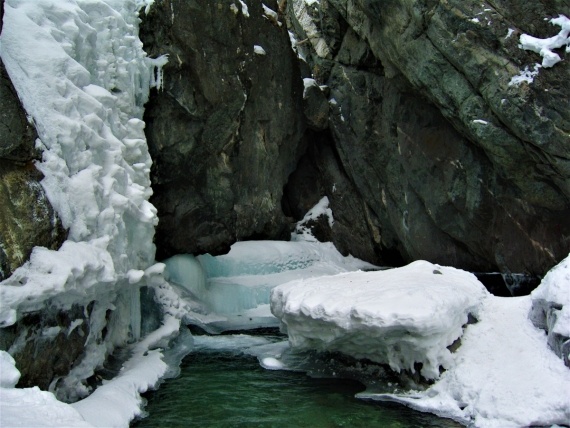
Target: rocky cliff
{"points": [[224, 131], [414, 128], [455, 163]]}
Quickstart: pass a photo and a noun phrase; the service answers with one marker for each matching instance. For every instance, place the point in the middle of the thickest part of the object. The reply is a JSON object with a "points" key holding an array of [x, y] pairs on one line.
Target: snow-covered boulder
{"points": [[551, 308], [400, 317]]}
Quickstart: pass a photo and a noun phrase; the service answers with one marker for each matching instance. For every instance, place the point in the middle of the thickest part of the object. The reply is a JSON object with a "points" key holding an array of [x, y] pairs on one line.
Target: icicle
{"points": [[157, 77], [135, 311]]}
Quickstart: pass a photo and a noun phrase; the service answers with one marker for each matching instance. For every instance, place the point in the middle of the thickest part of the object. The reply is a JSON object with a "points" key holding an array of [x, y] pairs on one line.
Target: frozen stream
{"points": [[221, 386]]}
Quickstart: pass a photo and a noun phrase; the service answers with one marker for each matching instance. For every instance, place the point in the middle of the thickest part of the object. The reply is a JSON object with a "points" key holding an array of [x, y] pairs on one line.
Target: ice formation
{"points": [[79, 68], [83, 77], [234, 288]]}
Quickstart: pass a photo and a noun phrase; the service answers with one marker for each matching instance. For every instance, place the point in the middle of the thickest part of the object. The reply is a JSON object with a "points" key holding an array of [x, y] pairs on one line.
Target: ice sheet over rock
{"points": [[399, 316], [79, 68], [83, 78]]}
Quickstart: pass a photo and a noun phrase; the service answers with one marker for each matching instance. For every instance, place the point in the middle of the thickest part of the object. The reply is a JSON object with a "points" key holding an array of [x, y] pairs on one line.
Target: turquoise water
{"points": [[225, 389]]}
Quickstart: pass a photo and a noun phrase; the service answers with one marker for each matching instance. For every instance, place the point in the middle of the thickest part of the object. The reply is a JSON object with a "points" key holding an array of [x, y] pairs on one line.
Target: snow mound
{"points": [[503, 375], [400, 316]]}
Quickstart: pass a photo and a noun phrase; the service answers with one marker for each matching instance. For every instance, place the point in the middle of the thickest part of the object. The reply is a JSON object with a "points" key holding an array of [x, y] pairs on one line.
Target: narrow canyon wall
{"points": [[224, 131]]}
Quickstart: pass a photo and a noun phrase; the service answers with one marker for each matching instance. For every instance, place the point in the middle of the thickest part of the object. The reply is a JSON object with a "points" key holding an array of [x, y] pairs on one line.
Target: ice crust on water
{"points": [[236, 286], [398, 317]]}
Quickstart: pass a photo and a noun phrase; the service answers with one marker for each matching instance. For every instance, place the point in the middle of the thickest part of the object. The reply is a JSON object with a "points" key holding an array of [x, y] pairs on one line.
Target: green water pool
{"points": [[222, 389]]}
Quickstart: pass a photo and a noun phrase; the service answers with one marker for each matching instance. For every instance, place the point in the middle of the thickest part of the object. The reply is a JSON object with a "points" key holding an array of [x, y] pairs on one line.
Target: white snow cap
{"points": [[9, 374], [399, 316], [244, 9]]}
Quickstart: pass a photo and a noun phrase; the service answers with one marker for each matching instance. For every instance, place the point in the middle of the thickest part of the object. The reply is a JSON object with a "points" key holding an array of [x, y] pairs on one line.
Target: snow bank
{"points": [[399, 317], [30, 407], [503, 375], [118, 401]]}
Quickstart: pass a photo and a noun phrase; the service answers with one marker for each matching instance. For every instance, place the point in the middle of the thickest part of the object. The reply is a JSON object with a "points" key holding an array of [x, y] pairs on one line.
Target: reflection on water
{"points": [[222, 389]]}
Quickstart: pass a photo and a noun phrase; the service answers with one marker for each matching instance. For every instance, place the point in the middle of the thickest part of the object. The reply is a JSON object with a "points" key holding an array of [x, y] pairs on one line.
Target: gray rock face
{"points": [[453, 163], [27, 218], [48, 345], [544, 315], [417, 136], [225, 130]]}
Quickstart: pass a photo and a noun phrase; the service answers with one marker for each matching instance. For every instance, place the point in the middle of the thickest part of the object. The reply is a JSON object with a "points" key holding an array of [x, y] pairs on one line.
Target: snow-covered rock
{"points": [[503, 374], [400, 317], [551, 308]]}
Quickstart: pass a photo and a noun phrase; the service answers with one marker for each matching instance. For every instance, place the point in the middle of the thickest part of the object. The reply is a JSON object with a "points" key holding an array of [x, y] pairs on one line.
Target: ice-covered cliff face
{"points": [[83, 78]]}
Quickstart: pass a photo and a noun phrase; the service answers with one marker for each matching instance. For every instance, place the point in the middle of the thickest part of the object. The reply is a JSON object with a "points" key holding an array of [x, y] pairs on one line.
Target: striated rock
{"points": [[27, 218], [224, 131], [453, 162]]}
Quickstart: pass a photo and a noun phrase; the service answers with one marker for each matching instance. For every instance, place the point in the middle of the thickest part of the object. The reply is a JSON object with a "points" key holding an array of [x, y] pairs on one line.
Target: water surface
{"points": [[222, 389]]}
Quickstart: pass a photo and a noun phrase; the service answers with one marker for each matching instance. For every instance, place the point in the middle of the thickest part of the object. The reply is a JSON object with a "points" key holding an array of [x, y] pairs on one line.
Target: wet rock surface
{"points": [[413, 128]]}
